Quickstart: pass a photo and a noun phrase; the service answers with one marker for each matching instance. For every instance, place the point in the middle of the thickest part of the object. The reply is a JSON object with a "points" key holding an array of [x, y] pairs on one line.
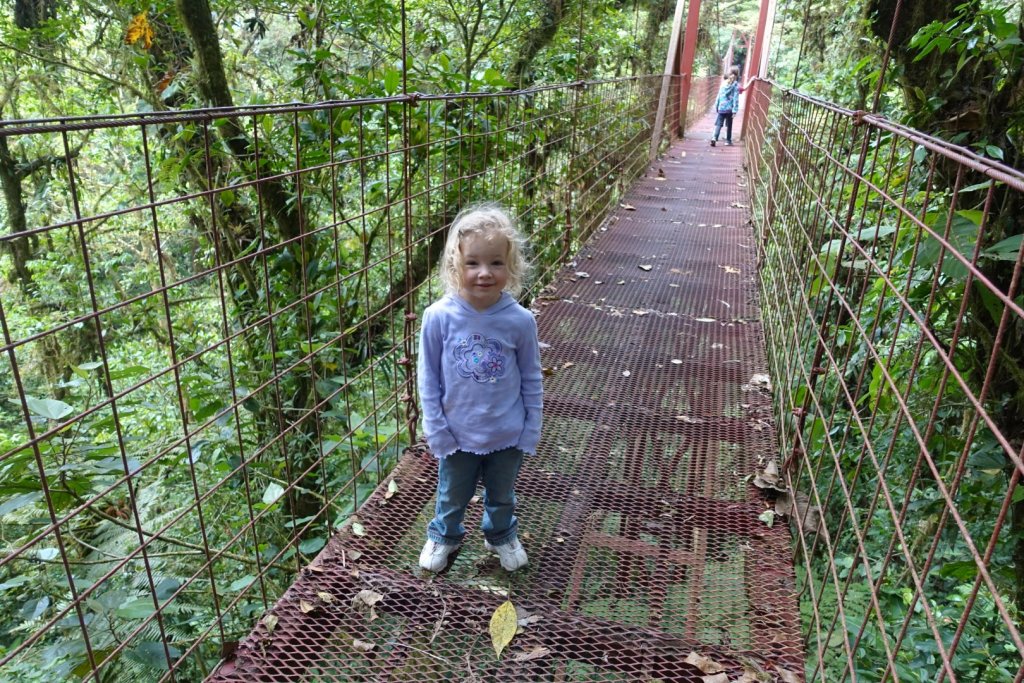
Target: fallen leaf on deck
{"points": [[787, 676], [628, 207], [705, 320], [535, 653], [768, 517], [717, 678], [621, 282], [676, 361], [392, 489], [799, 508], [626, 373], [363, 645], [640, 311], [761, 381], [270, 623], [582, 275], [645, 267], [769, 478], [364, 601], [306, 607], [730, 269], [705, 664], [737, 205], [358, 529], [325, 596], [503, 626]]}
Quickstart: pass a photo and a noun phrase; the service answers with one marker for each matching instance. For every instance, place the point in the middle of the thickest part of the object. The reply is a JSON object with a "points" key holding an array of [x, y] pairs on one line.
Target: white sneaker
{"points": [[434, 556], [511, 555]]}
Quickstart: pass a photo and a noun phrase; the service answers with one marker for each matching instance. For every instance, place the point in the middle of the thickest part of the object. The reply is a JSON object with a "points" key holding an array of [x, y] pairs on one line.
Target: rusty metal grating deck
{"points": [[642, 528]]}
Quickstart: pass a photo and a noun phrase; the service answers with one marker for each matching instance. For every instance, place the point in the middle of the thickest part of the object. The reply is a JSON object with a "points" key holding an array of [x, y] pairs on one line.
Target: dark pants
{"points": [[727, 120]]}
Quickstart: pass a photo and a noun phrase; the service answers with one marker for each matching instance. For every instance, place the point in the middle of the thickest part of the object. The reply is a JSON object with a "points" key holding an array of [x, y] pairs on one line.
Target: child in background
{"points": [[480, 384], [726, 104]]}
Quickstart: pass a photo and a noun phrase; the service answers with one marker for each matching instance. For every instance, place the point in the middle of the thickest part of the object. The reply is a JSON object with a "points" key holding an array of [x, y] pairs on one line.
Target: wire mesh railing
{"points": [[210, 368], [891, 265]]}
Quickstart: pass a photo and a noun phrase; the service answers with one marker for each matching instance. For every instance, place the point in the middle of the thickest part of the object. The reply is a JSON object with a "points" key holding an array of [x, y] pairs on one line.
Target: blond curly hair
{"points": [[484, 219]]}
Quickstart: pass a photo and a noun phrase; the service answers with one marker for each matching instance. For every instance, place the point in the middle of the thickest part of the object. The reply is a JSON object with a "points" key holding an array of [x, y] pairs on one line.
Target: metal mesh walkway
{"points": [[647, 557]]}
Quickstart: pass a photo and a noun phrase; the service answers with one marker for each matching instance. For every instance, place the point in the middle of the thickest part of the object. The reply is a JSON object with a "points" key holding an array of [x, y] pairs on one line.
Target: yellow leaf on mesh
{"points": [[503, 626], [139, 29]]}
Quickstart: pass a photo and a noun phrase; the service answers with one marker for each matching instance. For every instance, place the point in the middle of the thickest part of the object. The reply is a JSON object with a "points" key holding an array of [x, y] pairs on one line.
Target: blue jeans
{"points": [[727, 120], [457, 476]]}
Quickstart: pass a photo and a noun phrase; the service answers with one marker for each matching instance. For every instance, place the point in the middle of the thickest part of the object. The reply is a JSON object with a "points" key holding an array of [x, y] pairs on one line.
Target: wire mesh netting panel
{"points": [[892, 273], [651, 556], [208, 378]]}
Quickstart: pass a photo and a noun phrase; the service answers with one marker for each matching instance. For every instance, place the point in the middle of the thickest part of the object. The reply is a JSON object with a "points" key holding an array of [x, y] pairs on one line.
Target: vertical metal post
{"points": [[670, 60], [686, 59], [757, 55]]}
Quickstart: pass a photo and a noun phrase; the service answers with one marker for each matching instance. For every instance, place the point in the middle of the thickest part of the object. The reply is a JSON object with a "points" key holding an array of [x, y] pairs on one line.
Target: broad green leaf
{"points": [[312, 545], [1005, 250], [136, 609], [504, 623], [994, 152], [50, 408], [392, 78], [153, 654], [239, 584], [19, 501], [768, 517], [273, 492]]}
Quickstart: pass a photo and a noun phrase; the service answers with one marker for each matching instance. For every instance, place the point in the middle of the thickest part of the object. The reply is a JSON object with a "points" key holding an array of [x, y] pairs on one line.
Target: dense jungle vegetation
{"points": [[958, 71]]}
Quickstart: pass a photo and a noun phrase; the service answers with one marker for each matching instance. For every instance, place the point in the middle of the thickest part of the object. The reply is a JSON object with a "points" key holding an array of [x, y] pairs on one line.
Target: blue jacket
{"points": [[480, 377], [728, 98]]}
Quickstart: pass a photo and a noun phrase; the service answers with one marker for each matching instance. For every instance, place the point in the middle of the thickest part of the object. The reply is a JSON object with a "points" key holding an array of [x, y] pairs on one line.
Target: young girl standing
{"points": [[480, 384]]}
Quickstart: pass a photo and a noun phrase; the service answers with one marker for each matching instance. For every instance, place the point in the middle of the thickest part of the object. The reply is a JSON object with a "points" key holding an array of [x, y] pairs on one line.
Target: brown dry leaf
{"points": [[731, 270], [363, 645], [799, 508], [705, 664], [628, 207], [547, 372], [738, 205], [503, 626], [139, 30], [315, 568], [270, 622], [768, 478], [364, 601], [306, 607], [325, 596], [568, 364], [535, 653], [645, 267], [717, 678], [787, 676], [353, 554]]}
